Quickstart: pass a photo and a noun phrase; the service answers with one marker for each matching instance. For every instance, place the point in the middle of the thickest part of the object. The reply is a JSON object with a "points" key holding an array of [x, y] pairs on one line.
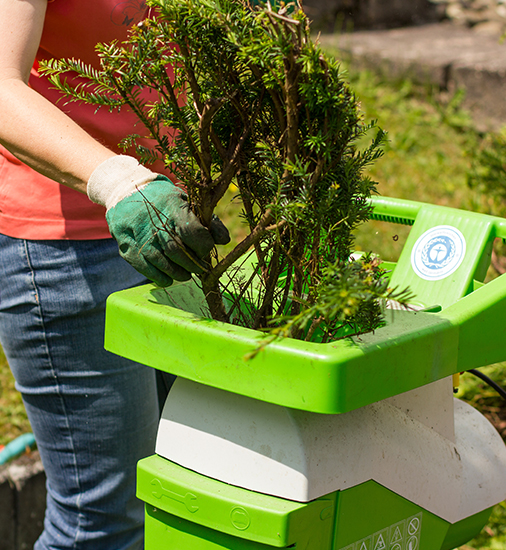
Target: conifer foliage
{"points": [[251, 100]]}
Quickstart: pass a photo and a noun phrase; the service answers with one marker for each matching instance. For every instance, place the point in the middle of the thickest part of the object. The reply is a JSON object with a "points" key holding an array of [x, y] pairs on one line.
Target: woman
{"points": [[94, 415]]}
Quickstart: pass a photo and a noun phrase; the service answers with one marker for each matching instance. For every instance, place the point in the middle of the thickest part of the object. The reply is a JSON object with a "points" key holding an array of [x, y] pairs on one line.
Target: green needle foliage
{"points": [[234, 93]]}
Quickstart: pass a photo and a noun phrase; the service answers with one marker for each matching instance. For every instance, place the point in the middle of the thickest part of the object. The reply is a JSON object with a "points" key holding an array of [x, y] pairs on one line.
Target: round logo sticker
{"points": [[438, 253]]}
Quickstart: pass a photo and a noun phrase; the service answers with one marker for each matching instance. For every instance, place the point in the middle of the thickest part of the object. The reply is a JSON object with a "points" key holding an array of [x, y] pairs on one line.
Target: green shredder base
{"points": [[188, 511]]}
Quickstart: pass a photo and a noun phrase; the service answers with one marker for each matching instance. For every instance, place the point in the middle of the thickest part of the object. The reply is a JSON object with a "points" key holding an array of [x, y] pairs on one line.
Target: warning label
{"points": [[380, 540], [403, 535], [364, 544]]}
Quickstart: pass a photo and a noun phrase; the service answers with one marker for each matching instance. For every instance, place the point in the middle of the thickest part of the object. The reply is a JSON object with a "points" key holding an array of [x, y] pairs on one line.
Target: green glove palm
{"points": [[159, 235]]}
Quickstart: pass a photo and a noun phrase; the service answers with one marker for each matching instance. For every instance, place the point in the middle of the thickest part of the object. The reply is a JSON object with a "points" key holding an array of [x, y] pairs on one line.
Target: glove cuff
{"points": [[117, 178]]}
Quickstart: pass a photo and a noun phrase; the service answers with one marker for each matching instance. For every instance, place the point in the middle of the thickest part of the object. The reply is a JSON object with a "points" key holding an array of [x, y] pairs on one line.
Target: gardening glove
{"points": [[151, 220]]}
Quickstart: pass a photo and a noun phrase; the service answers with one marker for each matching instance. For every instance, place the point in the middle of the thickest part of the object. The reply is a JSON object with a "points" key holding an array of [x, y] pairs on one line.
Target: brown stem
{"points": [[250, 216], [238, 294], [276, 100], [192, 80], [265, 308], [220, 185], [298, 276], [243, 246], [206, 116], [212, 293], [314, 325], [292, 73], [218, 145], [129, 97], [172, 99]]}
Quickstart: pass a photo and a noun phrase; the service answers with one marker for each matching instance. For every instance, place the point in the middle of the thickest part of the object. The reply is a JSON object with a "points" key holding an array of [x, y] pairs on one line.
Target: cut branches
{"points": [[235, 93]]}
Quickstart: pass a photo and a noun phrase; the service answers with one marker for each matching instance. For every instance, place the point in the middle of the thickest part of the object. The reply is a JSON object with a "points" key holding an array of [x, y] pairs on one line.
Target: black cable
{"points": [[489, 381]]}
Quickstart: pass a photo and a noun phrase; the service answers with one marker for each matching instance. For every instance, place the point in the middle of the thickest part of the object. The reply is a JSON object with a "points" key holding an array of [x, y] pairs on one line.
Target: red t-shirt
{"points": [[31, 205]]}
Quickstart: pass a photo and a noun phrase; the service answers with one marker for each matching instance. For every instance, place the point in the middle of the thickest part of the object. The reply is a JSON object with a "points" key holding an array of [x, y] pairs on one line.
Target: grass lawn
{"points": [[13, 421], [427, 158]]}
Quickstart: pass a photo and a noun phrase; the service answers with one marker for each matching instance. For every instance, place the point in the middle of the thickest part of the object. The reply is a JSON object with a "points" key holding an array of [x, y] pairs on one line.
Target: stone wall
{"points": [[339, 15], [22, 502], [483, 16]]}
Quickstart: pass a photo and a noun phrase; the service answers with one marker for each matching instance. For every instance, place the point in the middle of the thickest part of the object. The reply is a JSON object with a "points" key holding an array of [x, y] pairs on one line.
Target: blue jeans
{"points": [[94, 414]]}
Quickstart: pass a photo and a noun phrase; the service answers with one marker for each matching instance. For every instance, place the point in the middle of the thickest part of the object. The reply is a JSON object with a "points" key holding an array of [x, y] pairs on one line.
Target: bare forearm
{"points": [[39, 134]]}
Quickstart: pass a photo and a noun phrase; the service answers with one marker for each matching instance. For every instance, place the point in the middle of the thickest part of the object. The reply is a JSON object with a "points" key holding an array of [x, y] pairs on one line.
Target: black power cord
{"points": [[489, 381]]}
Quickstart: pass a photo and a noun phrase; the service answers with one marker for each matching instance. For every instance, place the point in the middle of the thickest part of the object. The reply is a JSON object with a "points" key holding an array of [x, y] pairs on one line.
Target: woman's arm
{"points": [[32, 128], [39, 134]]}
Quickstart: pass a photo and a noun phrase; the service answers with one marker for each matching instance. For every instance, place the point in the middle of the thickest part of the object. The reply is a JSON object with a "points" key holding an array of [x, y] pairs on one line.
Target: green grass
{"points": [[13, 421], [428, 158]]}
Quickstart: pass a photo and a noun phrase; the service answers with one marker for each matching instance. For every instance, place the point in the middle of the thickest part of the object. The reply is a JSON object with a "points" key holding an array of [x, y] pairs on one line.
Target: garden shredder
{"points": [[355, 444]]}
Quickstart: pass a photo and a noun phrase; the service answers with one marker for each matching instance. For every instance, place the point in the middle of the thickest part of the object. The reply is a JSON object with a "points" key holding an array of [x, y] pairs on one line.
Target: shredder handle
{"points": [[481, 315], [404, 212], [395, 210]]}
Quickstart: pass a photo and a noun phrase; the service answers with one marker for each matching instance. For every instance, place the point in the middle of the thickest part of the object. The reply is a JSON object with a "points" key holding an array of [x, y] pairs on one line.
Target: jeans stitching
{"points": [[58, 387]]}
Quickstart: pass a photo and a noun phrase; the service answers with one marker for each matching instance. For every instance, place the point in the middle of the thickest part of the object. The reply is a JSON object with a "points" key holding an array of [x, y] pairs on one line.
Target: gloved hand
{"points": [[150, 218]]}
